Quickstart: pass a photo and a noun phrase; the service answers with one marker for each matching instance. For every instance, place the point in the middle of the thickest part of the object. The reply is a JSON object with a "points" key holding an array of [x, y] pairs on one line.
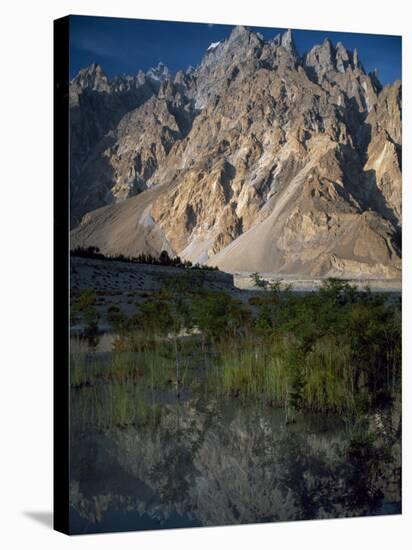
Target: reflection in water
{"points": [[140, 460]]}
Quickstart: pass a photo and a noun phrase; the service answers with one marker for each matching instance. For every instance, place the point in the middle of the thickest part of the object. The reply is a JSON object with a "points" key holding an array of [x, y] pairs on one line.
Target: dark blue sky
{"points": [[127, 45]]}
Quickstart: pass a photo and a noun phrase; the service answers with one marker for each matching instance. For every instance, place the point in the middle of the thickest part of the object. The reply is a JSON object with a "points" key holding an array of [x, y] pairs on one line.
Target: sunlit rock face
{"points": [[262, 160]]}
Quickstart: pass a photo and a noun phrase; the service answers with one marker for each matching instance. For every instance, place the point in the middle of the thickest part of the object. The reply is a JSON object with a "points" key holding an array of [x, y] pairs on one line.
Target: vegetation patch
{"points": [[333, 351]]}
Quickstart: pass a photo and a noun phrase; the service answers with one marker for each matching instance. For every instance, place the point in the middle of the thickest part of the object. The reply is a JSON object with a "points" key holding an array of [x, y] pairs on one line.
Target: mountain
{"points": [[256, 160]]}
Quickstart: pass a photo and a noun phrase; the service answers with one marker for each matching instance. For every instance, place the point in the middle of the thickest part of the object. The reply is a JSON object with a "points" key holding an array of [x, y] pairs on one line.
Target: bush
{"points": [[116, 317], [219, 316]]}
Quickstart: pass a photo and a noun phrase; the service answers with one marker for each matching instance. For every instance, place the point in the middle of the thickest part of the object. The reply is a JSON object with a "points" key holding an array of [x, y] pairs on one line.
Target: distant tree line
{"points": [[93, 252]]}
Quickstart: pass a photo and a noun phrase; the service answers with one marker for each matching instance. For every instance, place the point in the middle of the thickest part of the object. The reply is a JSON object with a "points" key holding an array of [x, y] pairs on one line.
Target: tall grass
{"points": [[105, 406], [251, 372], [337, 350], [321, 380], [149, 367], [83, 366], [152, 361], [329, 378]]}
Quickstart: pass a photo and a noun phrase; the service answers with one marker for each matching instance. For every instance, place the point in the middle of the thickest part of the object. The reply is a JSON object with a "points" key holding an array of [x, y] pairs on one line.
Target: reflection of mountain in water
{"points": [[213, 464]]}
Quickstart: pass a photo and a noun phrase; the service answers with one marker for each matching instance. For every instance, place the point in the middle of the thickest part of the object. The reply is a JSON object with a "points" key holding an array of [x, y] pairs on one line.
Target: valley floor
{"points": [[125, 285], [176, 373]]}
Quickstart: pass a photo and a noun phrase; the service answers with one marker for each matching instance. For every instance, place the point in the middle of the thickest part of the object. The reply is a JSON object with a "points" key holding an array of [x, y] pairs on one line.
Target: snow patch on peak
{"points": [[159, 73], [213, 46]]}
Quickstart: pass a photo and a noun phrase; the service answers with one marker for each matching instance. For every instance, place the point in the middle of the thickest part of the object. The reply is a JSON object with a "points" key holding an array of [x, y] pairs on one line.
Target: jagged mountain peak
{"points": [[242, 36], [321, 57], [356, 60], [92, 77], [288, 42], [159, 73], [93, 68], [340, 47], [325, 58], [342, 58], [257, 159], [239, 31]]}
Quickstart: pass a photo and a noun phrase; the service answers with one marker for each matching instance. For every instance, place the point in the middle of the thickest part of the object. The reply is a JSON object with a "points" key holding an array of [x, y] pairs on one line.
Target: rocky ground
{"points": [[125, 285]]}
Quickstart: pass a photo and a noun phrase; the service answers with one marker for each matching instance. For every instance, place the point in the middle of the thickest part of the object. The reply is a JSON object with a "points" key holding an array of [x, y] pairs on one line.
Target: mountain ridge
{"points": [[257, 141]]}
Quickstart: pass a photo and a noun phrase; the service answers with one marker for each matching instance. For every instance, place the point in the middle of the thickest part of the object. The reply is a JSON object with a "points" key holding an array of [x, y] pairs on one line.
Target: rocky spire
{"points": [[355, 58], [373, 75], [286, 40], [92, 77], [321, 58], [342, 57], [357, 63]]}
